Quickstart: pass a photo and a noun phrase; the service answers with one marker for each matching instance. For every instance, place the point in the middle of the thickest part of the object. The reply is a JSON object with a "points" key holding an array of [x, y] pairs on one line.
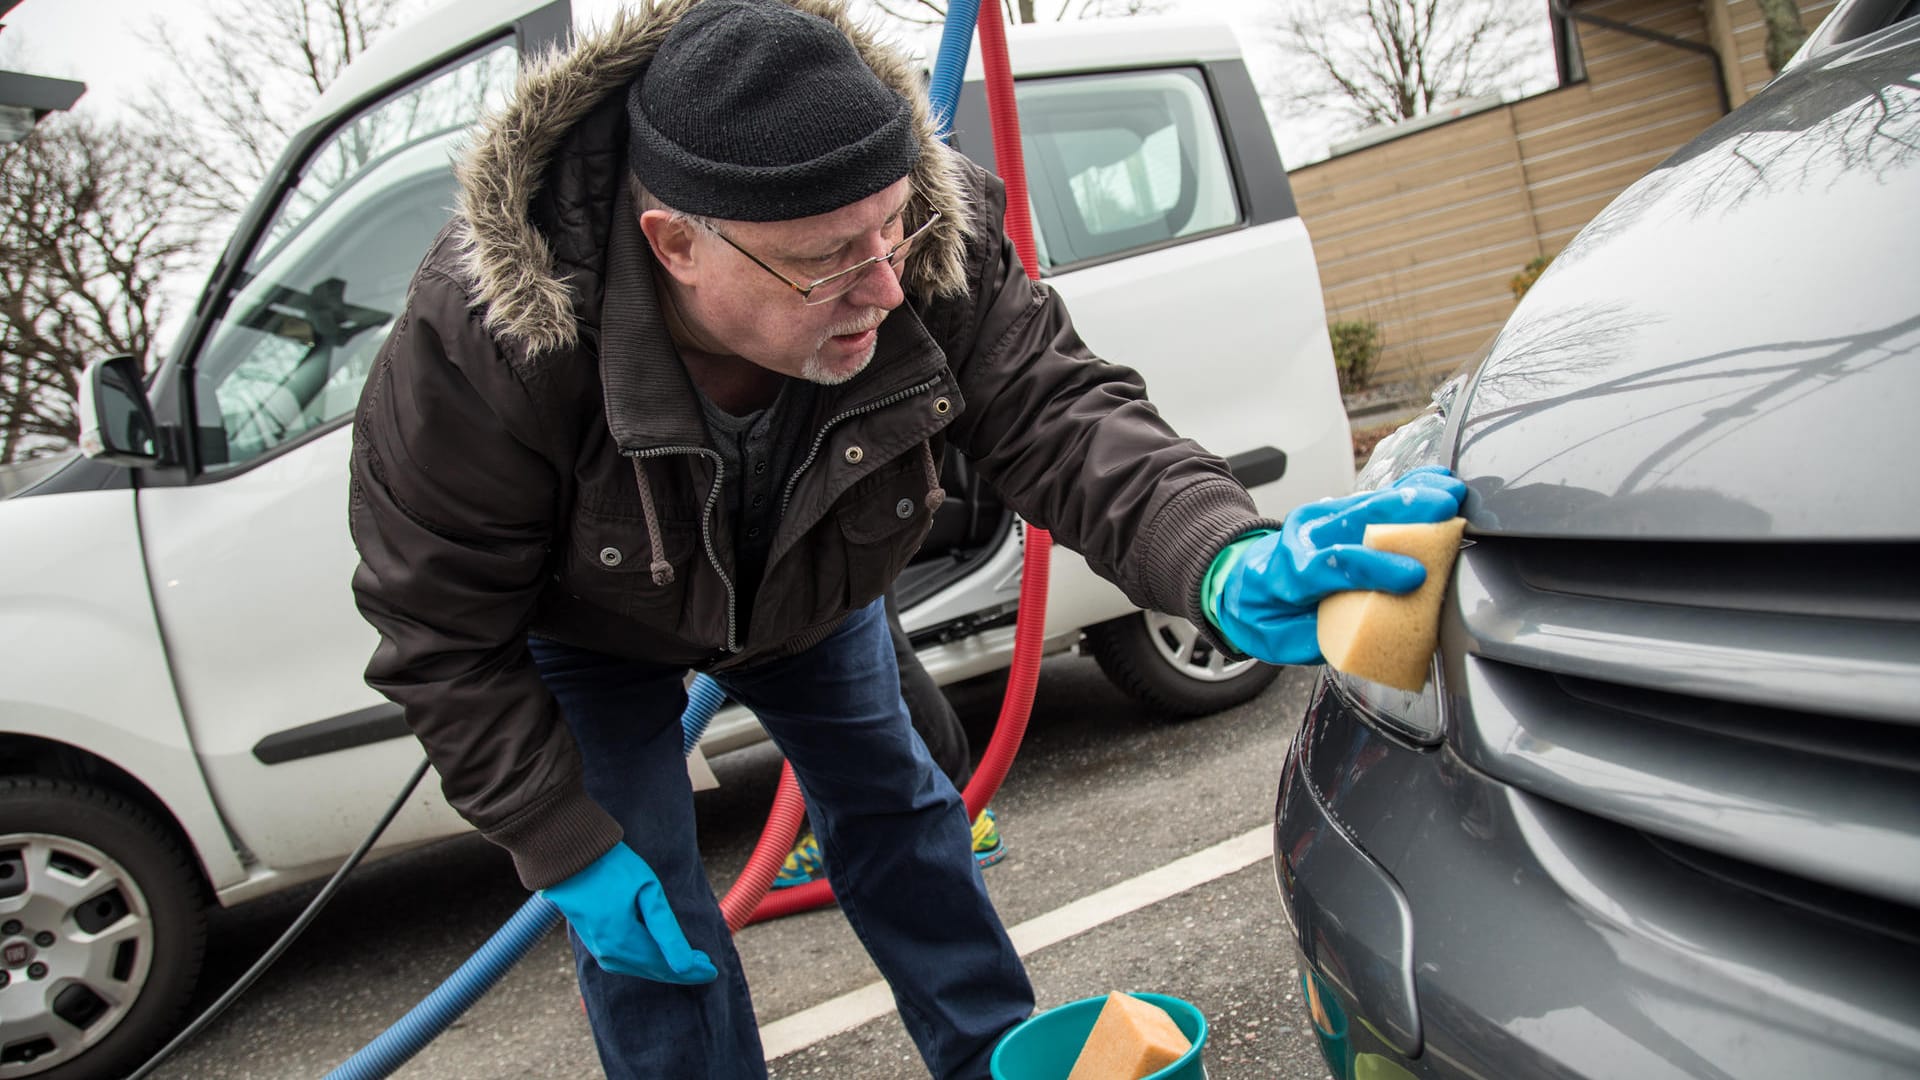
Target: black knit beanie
{"points": [[753, 111]]}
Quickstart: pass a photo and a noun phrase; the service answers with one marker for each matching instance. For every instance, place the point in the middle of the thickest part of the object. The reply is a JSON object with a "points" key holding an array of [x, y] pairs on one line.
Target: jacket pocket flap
{"points": [[621, 545], [883, 504]]}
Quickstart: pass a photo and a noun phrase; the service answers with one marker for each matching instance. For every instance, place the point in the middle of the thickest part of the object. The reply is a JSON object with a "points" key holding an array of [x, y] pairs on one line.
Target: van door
{"points": [[251, 559], [1163, 216]]}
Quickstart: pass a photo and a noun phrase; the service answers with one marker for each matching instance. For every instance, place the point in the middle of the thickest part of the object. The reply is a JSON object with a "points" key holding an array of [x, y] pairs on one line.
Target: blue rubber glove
{"points": [[1262, 591], [620, 911]]}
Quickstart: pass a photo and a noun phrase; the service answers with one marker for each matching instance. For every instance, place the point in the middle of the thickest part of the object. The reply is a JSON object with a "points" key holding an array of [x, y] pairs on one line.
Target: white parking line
{"points": [[874, 1000]]}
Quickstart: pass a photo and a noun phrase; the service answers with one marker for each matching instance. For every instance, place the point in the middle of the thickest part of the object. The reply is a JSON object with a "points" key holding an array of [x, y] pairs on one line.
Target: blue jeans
{"points": [[893, 829]]}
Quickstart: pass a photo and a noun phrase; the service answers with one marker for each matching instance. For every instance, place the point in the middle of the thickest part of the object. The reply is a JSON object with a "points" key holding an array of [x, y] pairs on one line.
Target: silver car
{"points": [[1657, 811]]}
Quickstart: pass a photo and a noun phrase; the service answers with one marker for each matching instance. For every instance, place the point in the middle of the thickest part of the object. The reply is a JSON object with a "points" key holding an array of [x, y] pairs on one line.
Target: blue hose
{"points": [[950, 66], [428, 1019], [704, 698], [425, 1021]]}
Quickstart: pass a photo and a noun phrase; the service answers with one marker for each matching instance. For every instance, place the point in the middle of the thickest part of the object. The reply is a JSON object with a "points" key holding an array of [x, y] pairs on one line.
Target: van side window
{"points": [[330, 270], [1123, 161]]}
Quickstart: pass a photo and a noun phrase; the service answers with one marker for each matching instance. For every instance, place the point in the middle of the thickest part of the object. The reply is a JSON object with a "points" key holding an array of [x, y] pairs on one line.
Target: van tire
{"points": [[1163, 662], [149, 878]]}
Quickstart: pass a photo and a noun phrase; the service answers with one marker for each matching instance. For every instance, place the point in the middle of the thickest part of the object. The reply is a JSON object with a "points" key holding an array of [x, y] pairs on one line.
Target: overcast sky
{"points": [[105, 44]]}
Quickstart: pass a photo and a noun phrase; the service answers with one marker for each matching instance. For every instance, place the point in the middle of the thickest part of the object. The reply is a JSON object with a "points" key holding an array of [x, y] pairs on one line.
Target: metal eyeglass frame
{"points": [[851, 275]]}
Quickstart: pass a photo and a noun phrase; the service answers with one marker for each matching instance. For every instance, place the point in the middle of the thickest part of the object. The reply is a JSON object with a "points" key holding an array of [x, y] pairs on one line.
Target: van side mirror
{"points": [[116, 420]]}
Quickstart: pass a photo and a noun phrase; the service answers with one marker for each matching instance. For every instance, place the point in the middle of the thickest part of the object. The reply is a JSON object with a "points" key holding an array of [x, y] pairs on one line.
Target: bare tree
{"points": [[1373, 62], [934, 12], [96, 217], [89, 227], [244, 84]]}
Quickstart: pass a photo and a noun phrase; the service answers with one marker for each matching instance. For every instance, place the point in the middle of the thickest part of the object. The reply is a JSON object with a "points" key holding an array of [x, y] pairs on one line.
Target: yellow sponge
{"points": [[1386, 638], [1131, 1039]]}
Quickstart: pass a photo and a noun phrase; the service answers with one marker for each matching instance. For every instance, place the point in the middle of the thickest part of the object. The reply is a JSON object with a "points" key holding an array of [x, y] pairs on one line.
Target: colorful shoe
{"points": [[804, 864], [987, 845]]}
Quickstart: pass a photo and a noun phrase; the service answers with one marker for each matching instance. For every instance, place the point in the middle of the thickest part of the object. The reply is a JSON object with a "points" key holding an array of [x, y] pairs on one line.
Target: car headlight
{"points": [[1407, 716], [1395, 712], [1414, 443]]}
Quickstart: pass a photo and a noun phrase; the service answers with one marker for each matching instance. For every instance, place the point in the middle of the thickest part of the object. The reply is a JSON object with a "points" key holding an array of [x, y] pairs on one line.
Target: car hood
{"points": [[1731, 350]]}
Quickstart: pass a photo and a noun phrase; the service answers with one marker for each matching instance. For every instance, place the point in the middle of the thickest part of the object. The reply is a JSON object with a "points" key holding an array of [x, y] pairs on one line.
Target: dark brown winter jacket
{"points": [[529, 405]]}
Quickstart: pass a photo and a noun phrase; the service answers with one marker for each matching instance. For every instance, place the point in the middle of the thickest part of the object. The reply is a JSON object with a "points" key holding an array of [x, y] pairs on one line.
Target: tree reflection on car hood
{"points": [[1731, 350]]}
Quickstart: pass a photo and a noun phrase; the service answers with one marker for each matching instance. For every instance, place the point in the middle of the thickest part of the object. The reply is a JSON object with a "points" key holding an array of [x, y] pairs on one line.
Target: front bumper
{"points": [[1463, 927]]}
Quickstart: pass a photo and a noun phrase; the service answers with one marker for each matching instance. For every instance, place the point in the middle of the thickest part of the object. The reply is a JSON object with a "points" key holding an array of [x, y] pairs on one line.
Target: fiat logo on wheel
{"points": [[16, 953]]}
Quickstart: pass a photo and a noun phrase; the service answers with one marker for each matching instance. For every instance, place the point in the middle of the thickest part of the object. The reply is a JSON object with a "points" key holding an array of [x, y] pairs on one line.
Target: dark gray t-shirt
{"points": [[758, 452]]}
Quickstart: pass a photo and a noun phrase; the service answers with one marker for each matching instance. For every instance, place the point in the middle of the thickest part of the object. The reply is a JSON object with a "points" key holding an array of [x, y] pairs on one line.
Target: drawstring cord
{"points": [[662, 569], [935, 493]]}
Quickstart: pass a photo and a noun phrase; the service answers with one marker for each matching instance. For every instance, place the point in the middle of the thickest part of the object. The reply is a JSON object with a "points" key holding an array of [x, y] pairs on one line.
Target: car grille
{"points": [[1753, 709]]}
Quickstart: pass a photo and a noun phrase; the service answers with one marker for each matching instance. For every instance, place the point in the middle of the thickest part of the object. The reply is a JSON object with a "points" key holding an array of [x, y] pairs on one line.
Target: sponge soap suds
{"points": [[1385, 638]]}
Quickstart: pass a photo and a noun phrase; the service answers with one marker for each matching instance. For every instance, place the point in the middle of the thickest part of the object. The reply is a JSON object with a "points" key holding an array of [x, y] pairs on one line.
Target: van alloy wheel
{"points": [[1165, 662], [101, 930]]}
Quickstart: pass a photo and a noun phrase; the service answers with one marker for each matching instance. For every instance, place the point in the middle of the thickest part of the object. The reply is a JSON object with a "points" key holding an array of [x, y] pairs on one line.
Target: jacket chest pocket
{"points": [[882, 521], [610, 565]]}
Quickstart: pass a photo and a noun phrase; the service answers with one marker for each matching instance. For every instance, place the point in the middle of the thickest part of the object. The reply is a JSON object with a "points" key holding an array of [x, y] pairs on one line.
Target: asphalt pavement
{"points": [[1103, 793]]}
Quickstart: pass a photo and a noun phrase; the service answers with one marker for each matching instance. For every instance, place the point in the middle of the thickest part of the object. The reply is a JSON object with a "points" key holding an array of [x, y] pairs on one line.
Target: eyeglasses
{"points": [[837, 284]]}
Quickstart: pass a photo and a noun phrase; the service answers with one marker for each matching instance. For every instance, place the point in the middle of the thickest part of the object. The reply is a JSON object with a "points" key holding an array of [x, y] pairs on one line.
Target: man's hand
{"points": [[619, 910], [1262, 591]]}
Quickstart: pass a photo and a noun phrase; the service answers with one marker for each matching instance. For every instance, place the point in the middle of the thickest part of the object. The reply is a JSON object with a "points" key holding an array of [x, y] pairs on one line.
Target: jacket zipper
{"points": [[706, 520], [820, 438]]}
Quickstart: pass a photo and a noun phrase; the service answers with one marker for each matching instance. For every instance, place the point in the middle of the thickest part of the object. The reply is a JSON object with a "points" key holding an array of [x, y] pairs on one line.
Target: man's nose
{"points": [[879, 287]]}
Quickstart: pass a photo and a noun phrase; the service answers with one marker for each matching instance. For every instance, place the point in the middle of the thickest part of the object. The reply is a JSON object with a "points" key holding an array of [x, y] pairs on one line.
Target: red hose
{"points": [[783, 823], [748, 900], [1006, 135]]}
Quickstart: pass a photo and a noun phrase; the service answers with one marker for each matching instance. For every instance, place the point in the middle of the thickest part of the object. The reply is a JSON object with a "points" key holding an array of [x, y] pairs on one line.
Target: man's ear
{"points": [[672, 241]]}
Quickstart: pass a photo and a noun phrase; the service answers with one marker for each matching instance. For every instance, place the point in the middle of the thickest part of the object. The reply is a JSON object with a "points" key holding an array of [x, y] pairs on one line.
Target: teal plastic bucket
{"points": [[1045, 1045]]}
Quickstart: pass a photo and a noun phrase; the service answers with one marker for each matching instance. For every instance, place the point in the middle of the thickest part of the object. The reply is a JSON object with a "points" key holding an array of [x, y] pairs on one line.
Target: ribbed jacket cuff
{"points": [[556, 838], [1182, 542]]}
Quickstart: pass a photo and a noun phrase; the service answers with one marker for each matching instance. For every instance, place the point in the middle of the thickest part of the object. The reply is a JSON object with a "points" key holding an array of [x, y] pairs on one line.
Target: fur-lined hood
{"points": [[529, 293]]}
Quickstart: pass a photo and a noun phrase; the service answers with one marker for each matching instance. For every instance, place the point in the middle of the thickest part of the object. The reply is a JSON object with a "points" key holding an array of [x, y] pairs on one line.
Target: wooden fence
{"points": [[1423, 233]]}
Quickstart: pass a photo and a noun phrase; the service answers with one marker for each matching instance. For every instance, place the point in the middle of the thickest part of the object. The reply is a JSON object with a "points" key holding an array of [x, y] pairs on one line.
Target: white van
{"points": [[183, 719]]}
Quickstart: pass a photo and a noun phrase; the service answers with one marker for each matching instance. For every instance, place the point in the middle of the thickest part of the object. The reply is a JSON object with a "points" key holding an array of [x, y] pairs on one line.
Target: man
{"points": [[668, 394]]}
